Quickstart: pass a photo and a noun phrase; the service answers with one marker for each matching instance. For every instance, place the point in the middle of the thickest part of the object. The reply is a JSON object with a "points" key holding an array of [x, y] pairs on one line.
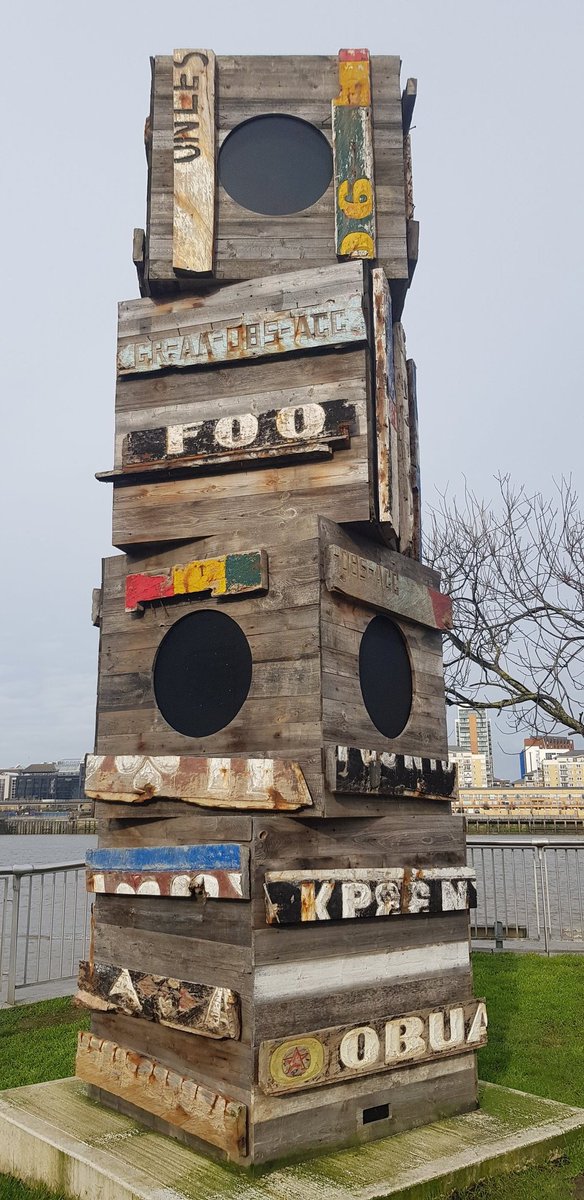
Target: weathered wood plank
{"points": [[415, 461], [333, 1055], [193, 230], [353, 158], [176, 1098], [378, 773], [227, 575], [293, 897], [212, 870], [385, 404], [386, 588], [200, 338], [241, 439], [181, 1004], [252, 783], [408, 101], [406, 516]]}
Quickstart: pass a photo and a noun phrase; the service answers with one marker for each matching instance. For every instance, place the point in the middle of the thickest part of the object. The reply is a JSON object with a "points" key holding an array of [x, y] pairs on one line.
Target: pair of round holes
{"points": [[203, 668]]}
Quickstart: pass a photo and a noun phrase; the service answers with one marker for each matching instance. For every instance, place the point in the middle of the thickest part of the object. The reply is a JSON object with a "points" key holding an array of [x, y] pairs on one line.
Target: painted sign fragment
{"points": [[181, 1004], [386, 587], [294, 897], [199, 339], [243, 438], [193, 110], [228, 575], [176, 1098], [218, 871], [347, 1052], [378, 773], [353, 157], [250, 783], [385, 404]]}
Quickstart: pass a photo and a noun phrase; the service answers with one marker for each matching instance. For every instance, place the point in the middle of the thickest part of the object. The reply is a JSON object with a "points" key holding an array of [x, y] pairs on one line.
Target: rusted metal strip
{"points": [[193, 230], [297, 897], [181, 1004], [178, 1099], [346, 1052], [229, 575], [376, 773], [353, 158], [250, 783]]}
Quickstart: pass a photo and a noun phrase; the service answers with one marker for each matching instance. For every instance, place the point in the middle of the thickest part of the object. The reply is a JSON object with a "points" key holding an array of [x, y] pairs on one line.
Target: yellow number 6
{"points": [[361, 204]]}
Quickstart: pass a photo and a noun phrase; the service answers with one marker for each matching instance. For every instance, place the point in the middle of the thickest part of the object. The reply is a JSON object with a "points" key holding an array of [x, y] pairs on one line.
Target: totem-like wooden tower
{"points": [[280, 952]]}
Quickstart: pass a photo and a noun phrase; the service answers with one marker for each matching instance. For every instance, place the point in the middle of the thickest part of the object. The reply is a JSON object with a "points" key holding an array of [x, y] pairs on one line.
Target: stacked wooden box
{"points": [[280, 950]]}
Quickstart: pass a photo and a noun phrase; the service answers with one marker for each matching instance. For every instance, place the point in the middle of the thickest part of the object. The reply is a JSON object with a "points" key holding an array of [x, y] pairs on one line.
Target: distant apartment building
{"points": [[471, 768], [565, 772], [8, 784], [50, 781], [539, 750], [473, 735], [530, 800]]}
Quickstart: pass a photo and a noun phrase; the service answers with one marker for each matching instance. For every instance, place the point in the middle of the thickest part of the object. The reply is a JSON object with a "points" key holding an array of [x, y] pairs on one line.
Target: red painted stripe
{"points": [[353, 55], [442, 606], [147, 587]]}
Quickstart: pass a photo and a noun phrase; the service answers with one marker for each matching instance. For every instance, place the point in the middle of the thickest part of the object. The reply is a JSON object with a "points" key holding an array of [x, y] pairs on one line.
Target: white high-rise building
{"points": [[473, 735]]}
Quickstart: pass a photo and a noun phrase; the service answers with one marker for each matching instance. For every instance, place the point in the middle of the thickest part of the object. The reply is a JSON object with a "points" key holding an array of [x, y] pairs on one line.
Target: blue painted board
{"points": [[217, 856]]}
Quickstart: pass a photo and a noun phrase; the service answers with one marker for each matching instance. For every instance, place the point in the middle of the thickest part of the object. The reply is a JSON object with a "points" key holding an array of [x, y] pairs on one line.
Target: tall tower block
{"points": [[280, 953]]}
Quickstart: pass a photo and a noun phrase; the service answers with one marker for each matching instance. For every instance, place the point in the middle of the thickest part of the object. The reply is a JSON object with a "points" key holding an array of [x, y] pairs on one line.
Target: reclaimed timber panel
{"points": [[415, 460], [194, 160], [219, 870], [385, 405], [230, 575], [214, 1118], [338, 895], [353, 158], [248, 245], [182, 1004], [327, 1055], [369, 773], [253, 783], [383, 586], [406, 519]]}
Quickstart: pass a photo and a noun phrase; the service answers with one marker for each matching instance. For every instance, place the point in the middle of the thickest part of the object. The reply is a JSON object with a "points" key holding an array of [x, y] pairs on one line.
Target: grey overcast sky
{"points": [[493, 319]]}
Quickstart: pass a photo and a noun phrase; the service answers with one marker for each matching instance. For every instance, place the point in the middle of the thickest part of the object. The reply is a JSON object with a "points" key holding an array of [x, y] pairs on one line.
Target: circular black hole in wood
{"points": [[275, 164], [202, 673], [385, 676]]}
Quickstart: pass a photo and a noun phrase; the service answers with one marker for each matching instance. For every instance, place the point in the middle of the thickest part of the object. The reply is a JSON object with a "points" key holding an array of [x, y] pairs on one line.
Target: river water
{"points": [[45, 848]]}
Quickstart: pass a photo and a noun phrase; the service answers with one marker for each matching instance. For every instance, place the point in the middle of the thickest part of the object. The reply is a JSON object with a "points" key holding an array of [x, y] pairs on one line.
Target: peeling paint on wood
{"points": [[150, 1085], [295, 897], [229, 575], [353, 158], [215, 870], [193, 89], [244, 439], [378, 773], [250, 783], [415, 465], [181, 1004], [385, 404], [347, 1052], [406, 514], [207, 885], [199, 340], [386, 588]]}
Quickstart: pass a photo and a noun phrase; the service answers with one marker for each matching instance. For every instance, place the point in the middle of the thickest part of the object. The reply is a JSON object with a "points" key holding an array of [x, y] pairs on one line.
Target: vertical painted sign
{"points": [[353, 157], [406, 494], [385, 404], [193, 90]]}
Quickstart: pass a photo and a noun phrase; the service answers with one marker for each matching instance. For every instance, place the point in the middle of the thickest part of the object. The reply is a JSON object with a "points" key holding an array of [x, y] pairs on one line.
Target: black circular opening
{"points": [[275, 164], [385, 676], [202, 673]]}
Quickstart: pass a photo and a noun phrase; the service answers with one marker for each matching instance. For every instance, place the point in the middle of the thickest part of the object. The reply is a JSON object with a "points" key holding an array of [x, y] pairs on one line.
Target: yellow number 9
{"points": [[361, 204]]}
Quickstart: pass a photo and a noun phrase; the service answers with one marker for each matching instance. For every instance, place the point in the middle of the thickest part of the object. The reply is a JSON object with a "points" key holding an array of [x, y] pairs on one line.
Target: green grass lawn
{"points": [[536, 1044]]}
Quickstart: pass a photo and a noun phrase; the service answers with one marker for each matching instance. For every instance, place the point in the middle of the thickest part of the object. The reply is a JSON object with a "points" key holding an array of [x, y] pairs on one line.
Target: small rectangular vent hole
{"points": [[378, 1113]]}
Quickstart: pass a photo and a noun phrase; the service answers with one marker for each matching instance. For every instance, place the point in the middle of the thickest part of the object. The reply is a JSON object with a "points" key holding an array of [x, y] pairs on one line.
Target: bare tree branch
{"points": [[515, 572]]}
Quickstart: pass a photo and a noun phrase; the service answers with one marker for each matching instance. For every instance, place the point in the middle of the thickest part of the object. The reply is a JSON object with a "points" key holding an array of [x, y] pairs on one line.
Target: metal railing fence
{"points": [[44, 930], [530, 894]]}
